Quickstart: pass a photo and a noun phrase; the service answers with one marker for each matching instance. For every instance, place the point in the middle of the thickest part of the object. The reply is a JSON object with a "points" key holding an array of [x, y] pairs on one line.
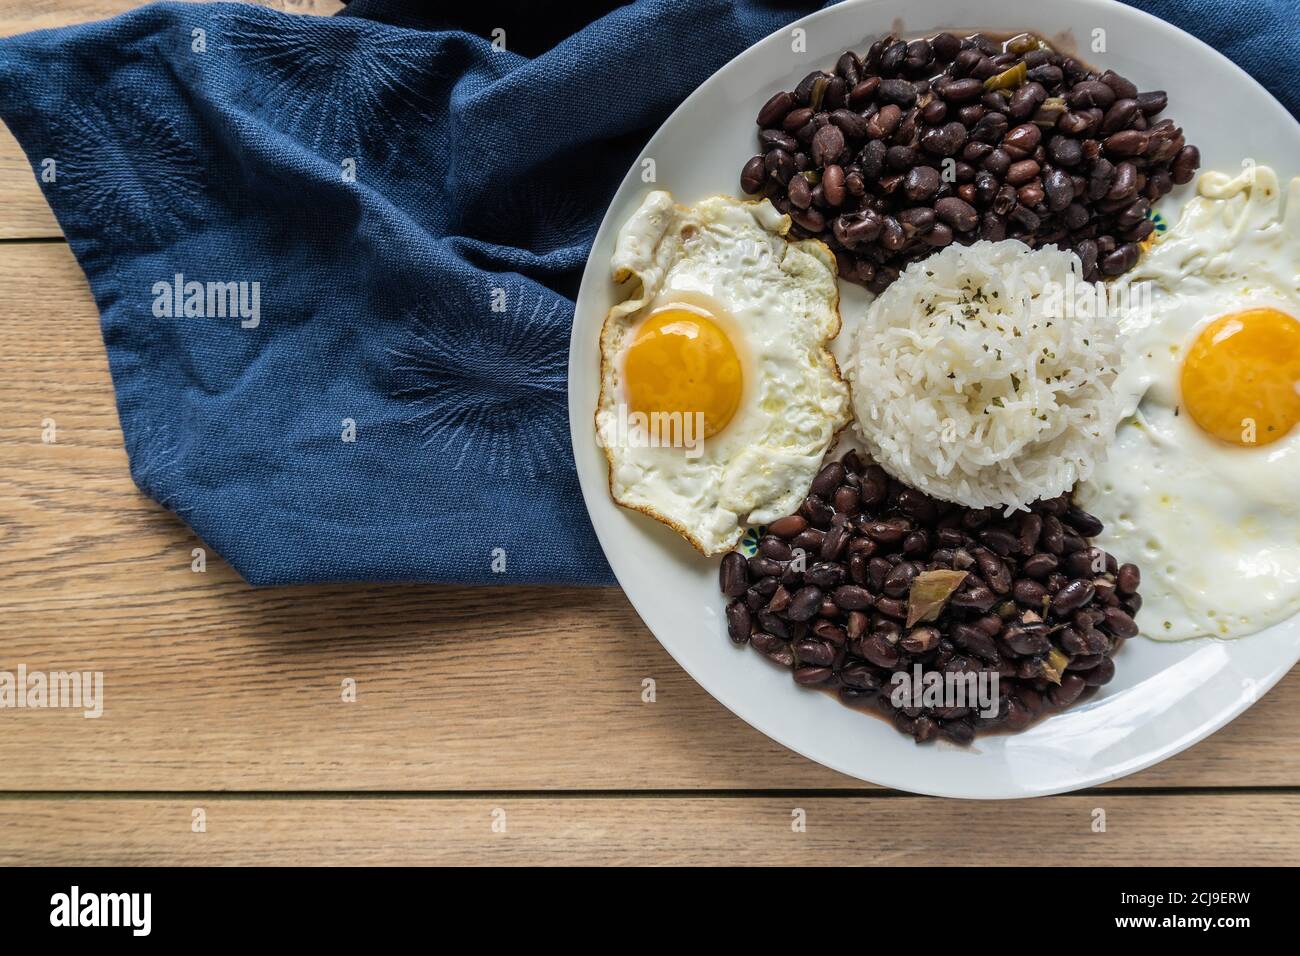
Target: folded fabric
{"points": [[334, 260], [334, 257]]}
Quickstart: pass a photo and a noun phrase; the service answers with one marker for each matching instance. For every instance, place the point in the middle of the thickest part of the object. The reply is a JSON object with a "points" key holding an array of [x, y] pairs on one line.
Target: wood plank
{"points": [[21, 16], [211, 684], [26, 215], [1151, 830]]}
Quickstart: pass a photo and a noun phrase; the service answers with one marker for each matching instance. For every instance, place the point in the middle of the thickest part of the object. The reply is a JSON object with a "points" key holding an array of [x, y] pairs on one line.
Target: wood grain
{"points": [[213, 685], [20, 16], [25, 213], [468, 701], [1226, 829]]}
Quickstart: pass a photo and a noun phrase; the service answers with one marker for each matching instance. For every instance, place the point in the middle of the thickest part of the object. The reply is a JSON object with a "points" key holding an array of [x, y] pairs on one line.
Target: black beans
{"points": [[945, 46], [775, 109], [828, 479], [753, 175], [732, 575], [1128, 579], [800, 192], [1087, 525], [833, 189], [796, 120], [900, 92], [808, 651], [812, 675], [877, 650], [933, 112], [831, 633], [770, 139], [1058, 189], [1022, 172], [891, 59], [739, 622], [1073, 596], [1087, 252], [976, 598], [961, 91], [1068, 691], [803, 93], [1061, 157], [1090, 93], [1000, 540], [994, 571], [1086, 562], [1120, 116], [1119, 623], [1185, 165], [827, 144], [863, 92], [805, 603], [1029, 592], [1121, 260], [818, 512], [888, 530], [900, 158], [1065, 151], [780, 165], [1121, 86], [1134, 215], [1025, 101], [1126, 143], [810, 220], [921, 182], [772, 623], [787, 527], [851, 124], [1021, 141], [919, 55], [825, 574], [957, 213], [989, 129], [851, 597], [1027, 640], [1152, 103], [898, 581], [944, 140], [1124, 184], [772, 647], [920, 640], [859, 227], [833, 544], [1103, 673]]}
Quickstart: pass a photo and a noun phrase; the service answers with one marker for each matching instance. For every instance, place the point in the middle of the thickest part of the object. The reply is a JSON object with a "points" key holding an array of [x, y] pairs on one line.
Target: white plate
{"points": [[1164, 697]]}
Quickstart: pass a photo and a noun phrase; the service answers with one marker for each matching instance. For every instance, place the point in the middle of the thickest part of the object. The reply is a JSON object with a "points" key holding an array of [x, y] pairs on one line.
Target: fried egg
{"points": [[1202, 486], [718, 395]]}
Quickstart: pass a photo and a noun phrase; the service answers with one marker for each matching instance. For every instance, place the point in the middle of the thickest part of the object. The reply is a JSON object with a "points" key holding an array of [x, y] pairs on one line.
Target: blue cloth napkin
{"points": [[335, 261], [335, 257]]}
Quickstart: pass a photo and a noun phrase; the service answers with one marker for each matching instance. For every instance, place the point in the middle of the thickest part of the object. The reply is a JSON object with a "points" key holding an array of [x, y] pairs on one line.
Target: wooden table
{"points": [[473, 738]]}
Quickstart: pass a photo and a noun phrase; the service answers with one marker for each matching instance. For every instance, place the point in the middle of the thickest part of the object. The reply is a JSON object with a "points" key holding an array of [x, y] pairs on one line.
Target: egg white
{"points": [[1214, 527], [778, 303]]}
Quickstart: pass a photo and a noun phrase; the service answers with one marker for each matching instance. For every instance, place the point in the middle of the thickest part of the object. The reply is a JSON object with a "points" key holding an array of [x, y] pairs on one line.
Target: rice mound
{"points": [[968, 383]]}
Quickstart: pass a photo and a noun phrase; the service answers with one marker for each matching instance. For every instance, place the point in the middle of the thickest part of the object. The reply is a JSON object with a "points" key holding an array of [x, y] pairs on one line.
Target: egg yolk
{"points": [[682, 361], [1241, 375]]}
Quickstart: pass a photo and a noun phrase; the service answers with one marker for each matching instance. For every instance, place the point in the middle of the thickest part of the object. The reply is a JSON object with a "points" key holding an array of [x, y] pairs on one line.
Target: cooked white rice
{"points": [[969, 384]]}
